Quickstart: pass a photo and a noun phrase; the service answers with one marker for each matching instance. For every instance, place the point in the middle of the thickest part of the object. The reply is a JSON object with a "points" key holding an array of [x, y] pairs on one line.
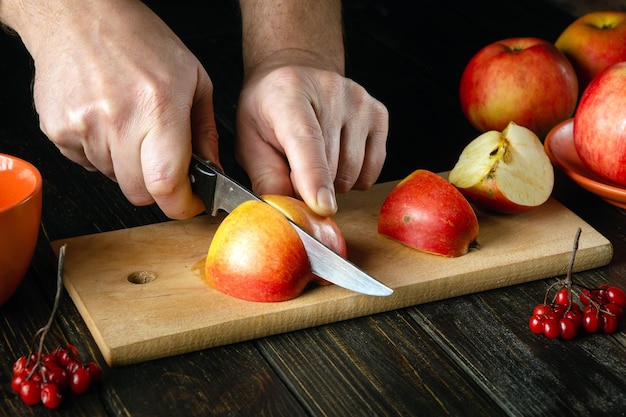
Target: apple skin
{"points": [[594, 42], [426, 212], [325, 229], [525, 80], [600, 125], [507, 172], [257, 255]]}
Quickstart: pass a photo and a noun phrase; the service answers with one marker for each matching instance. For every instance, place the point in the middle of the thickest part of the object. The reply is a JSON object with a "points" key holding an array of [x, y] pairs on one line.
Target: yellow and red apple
{"points": [[325, 229], [507, 172], [525, 80], [257, 255], [594, 42], [426, 212], [600, 124]]}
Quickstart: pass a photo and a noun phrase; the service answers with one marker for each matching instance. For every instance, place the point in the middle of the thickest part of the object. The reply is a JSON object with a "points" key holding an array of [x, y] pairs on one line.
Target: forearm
{"points": [[42, 23], [307, 32], [34, 20], [11, 12]]}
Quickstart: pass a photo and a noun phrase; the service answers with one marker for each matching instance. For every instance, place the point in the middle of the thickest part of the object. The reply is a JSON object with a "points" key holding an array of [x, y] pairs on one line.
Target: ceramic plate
{"points": [[559, 145]]}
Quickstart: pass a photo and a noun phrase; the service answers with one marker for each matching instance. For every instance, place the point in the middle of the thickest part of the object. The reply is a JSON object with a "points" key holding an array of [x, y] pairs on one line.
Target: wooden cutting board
{"points": [[142, 295]]}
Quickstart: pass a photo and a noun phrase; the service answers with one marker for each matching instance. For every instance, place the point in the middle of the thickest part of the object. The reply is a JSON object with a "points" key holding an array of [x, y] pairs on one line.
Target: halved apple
{"points": [[507, 172]]}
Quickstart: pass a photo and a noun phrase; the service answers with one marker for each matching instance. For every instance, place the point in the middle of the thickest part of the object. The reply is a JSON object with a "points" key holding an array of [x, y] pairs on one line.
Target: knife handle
{"points": [[203, 180]]}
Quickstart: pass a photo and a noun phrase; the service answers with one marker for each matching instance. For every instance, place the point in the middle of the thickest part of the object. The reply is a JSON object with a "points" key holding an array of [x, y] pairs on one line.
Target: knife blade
{"points": [[218, 191]]}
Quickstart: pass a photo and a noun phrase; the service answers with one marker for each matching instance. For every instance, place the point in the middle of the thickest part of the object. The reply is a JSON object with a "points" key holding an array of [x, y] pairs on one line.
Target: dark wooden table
{"points": [[466, 356]]}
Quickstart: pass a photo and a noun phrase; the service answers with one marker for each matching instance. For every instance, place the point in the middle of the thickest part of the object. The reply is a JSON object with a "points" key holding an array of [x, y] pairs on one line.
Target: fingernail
{"points": [[326, 199]]}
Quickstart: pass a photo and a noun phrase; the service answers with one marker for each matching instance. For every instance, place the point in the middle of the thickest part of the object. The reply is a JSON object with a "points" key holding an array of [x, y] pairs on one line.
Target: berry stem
{"points": [[558, 283], [568, 277], [57, 299]]}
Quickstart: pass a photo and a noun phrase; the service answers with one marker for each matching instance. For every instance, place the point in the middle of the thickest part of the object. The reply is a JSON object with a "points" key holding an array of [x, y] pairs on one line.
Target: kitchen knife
{"points": [[218, 191]]}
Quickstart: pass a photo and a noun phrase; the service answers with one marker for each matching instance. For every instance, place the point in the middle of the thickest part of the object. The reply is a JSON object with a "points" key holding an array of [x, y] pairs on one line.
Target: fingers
{"points": [[311, 154], [203, 127], [282, 148], [149, 157], [166, 153], [161, 170], [267, 168], [136, 117], [165, 160], [321, 131], [363, 149]]}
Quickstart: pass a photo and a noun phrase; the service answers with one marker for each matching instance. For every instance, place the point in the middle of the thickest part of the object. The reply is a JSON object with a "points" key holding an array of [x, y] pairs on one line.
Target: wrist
{"points": [[294, 57], [292, 32]]}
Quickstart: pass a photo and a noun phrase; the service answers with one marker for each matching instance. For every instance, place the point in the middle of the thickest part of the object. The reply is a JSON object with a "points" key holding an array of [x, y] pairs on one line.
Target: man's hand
{"points": [[310, 132], [118, 92], [302, 127]]}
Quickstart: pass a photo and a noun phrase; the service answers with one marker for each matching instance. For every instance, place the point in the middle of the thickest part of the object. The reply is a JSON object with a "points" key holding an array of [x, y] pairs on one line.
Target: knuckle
{"points": [[160, 184], [343, 184], [138, 198], [307, 130]]}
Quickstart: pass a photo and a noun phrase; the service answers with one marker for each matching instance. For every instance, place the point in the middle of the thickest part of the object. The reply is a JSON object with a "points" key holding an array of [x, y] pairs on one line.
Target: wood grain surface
{"points": [[142, 294]]}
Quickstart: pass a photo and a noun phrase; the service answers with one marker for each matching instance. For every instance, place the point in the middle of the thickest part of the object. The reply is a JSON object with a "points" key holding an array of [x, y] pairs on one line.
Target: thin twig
{"points": [[57, 300], [568, 278]]}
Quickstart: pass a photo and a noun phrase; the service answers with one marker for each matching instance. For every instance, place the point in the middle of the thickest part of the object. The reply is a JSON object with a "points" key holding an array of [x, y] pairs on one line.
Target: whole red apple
{"points": [[600, 124], [426, 212], [594, 42], [257, 255], [525, 80], [507, 172]]}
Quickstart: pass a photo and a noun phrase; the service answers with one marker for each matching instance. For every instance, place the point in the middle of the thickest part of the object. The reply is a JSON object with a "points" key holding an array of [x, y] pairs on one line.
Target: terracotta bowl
{"points": [[20, 216]]}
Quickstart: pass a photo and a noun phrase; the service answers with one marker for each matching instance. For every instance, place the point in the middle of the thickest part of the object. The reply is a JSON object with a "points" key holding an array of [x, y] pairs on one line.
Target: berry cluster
{"points": [[603, 308], [43, 377], [601, 311]]}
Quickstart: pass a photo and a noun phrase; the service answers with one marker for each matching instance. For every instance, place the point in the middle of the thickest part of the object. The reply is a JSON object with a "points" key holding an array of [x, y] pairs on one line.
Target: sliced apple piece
{"points": [[507, 172], [426, 212]]}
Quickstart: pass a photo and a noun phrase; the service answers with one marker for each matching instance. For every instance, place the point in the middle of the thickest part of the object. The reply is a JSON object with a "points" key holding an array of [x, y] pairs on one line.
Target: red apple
{"points": [[426, 212], [600, 124], [525, 80], [257, 255], [594, 42], [508, 171]]}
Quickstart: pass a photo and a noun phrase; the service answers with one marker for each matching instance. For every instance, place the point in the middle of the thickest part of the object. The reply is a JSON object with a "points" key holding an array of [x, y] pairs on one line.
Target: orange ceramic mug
{"points": [[20, 215]]}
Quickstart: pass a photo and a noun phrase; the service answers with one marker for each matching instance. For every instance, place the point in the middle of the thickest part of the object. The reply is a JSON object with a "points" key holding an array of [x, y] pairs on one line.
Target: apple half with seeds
{"points": [[506, 172]]}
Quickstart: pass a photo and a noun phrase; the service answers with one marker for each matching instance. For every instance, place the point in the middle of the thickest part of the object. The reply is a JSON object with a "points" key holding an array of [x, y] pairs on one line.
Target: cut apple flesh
{"points": [[510, 165]]}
